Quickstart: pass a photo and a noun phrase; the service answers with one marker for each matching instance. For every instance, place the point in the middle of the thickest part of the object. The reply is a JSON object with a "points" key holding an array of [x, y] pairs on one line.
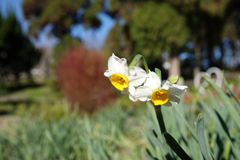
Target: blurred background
{"points": [[53, 53]]}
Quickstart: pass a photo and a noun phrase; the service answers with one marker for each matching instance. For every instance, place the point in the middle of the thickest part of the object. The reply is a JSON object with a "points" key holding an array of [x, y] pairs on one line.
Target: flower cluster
{"points": [[142, 85]]}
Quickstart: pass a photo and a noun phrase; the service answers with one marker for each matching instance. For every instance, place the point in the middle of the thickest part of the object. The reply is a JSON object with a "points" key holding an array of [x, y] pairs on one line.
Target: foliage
{"points": [[214, 134], [152, 31], [164, 25], [156, 31], [80, 77], [55, 132], [66, 43], [147, 27], [61, 14], [17, 53], [22, 97], [104, 135], [117, 42], [115, 133]]}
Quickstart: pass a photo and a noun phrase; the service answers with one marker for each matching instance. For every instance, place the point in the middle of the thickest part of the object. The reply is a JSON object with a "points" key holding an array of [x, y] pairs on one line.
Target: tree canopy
{"points": [[61, 14], [145, 27], [152, 27], [17, 53]]}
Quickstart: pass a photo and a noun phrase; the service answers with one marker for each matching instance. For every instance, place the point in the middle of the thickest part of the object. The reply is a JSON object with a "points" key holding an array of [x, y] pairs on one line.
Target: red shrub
{"points": [[80, 77]]}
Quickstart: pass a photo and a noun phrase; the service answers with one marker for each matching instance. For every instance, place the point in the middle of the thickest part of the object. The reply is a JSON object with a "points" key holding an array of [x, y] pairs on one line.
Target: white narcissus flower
{"points": [[123, 77], [160, 95]]}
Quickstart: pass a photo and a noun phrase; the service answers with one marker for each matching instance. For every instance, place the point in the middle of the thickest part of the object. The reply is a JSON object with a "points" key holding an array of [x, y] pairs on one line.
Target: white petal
{"points": [[131, 89], [174, 98], [117, 65], [166, 85], [152, 81], [169, 104], [176, 89], [136, 76], [135, 70], [142, 93], [131, 97], [108, 73]]}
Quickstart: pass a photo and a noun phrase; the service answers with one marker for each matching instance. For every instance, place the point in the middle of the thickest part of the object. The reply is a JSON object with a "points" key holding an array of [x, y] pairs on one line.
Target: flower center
{"points": [[159, 96], [119, 81]]}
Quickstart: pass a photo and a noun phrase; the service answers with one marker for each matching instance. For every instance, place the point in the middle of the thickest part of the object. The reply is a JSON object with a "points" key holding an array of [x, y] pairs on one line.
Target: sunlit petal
{"points": [[166, 85], [177, 89], [142, 93], [117, 65], [131, 89], [108, 73], [152, 81], [137, 76]]}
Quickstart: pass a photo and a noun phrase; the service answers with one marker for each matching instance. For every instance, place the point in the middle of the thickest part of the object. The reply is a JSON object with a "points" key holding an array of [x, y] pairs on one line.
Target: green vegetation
{"points": [[208, 127], [37, 122], [51, 135], [53, 131]]}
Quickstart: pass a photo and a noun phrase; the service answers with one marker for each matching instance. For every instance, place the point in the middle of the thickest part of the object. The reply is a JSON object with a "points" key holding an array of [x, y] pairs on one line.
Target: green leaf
{"points": [[230, 91], [161, 128], [136, 59], [224, 99], [227, 150], [150, 155], [214, 114], [201, 138], [184, 120], [176, 147], [174, 79]]}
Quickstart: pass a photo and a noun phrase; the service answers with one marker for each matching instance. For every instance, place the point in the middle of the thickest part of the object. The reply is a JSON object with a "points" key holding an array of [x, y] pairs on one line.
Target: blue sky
{"points": [[91, 38], [94, 38]]}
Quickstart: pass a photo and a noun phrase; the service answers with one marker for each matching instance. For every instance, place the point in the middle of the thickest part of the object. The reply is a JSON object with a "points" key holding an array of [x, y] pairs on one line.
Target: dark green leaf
{"points": [[176, 147]]}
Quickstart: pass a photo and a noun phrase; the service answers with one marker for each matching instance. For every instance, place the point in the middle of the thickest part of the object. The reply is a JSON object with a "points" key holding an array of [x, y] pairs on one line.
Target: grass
{"points": [[113, 132], [41, 92], [206, 125], [27, 96]]}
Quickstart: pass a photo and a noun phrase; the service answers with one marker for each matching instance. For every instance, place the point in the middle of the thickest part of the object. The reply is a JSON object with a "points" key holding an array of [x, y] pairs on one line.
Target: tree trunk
{"points": [[210, 55], [175, 66], [222, 56], [197, 50]]}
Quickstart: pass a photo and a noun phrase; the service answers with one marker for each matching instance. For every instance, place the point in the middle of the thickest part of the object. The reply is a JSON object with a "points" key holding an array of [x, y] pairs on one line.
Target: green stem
{"points": [[145, 64], [136, 60], [158, 110]]}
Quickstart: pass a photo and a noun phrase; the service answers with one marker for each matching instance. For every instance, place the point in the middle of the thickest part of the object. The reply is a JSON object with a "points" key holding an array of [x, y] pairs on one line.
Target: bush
{"points": [[80, 77]]}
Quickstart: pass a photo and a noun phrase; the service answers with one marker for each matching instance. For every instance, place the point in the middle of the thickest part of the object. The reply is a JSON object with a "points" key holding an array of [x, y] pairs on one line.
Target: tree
{"points": [[208, 22], [145, 27], [203, 22], [152, 28], [17, 54], [160, 29], [61, 14]]}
